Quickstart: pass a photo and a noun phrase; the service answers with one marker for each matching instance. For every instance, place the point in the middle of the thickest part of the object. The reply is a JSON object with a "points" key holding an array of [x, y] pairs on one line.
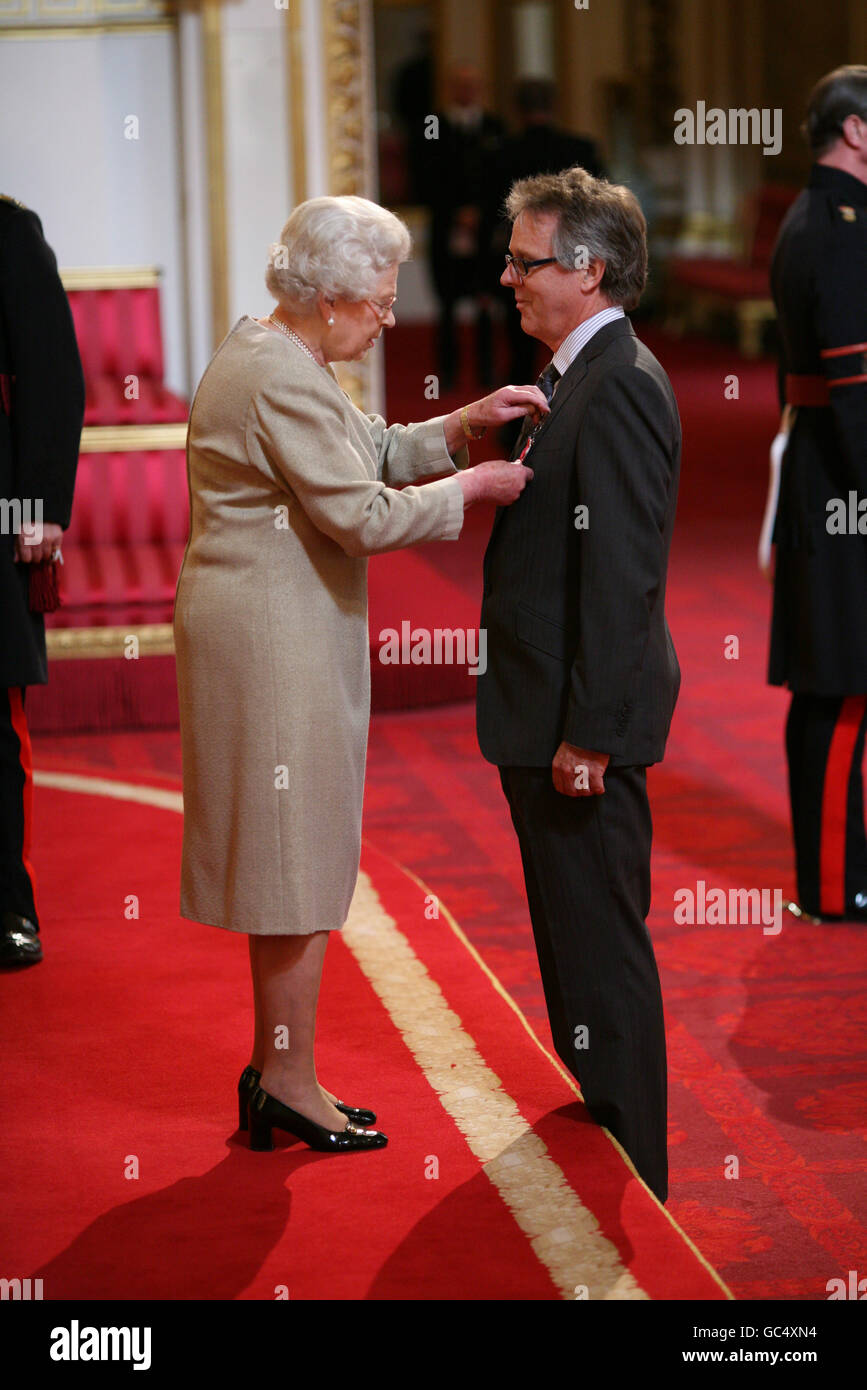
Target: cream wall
{"points": [[244, 108], [225, 112], [103, 199], [257, 147]]}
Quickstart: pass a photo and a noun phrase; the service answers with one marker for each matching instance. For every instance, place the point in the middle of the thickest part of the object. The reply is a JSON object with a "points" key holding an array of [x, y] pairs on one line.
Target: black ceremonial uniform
{"points": [[819, 627], [41, 414]]}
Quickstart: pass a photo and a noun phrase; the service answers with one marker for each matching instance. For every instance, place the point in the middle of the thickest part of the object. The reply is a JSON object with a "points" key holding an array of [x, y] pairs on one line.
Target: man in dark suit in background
{"points": [[819, 634], [461, 219], [582, 676], [41, 413], [538, 147]]}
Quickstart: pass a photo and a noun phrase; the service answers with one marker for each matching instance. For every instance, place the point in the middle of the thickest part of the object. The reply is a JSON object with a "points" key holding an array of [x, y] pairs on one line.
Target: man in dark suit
{"points": [[538, 147], [461, 219], [41, 413], [819, 634], [582, 676]]}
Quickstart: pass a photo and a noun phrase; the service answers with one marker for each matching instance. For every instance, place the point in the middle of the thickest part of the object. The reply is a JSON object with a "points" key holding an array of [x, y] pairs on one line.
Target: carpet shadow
{"points": [[717, 830], [199, 1238], [800, 1038], [407, 1273], [799, 1033]]}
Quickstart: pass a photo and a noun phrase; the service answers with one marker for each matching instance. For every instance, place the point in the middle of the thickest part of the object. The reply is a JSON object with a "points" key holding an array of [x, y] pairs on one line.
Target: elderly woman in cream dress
{"points": [[291, 488]]}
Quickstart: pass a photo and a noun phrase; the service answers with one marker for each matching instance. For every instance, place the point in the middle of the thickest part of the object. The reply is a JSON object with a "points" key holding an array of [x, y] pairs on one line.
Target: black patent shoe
{"points": [[250, 1079], [19, 941], [266, 1112]]}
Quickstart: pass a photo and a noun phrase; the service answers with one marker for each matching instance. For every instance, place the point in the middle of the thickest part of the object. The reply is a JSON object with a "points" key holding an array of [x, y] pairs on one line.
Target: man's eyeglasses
{"points": [[522, 268], [383, 309]]}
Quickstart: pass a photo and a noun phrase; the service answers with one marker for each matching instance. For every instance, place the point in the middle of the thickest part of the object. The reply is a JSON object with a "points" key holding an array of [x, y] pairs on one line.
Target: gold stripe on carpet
{"points": [[458, 931], [161, 797], [563, 1233]]}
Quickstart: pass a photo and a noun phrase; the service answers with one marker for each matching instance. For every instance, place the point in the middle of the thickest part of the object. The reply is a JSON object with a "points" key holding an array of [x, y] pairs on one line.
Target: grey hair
{"points": [[336, 246], [594, 216]]}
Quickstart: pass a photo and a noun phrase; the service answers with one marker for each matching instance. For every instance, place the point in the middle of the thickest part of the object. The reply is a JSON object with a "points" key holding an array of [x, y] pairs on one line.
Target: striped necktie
{"points": [[547, 381]]}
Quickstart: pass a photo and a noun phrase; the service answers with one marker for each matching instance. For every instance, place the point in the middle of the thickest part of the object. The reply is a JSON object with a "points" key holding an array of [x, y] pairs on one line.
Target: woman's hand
{"points": [[497, 409], [496, 481], [507, 404]]}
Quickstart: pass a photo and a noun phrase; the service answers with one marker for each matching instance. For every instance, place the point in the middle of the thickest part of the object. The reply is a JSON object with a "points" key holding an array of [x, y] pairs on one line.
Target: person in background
{"points": [[458, 194], [539, 146], [41, 414], [413, 102], [818, 633]]}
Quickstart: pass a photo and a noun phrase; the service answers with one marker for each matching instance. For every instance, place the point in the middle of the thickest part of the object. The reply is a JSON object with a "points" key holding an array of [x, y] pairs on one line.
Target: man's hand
{"points": [[578, 771], [31, 550]]}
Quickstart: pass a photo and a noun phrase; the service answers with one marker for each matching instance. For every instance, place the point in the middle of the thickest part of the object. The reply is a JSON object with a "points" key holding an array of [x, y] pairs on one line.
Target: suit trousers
{"points": [[587, 873], [825, 752], [16, 798]]}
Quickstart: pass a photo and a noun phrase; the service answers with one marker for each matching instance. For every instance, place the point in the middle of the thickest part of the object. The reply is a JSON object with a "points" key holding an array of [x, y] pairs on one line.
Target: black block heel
{"points": [[250, 1079], [247, 1084], [267, 1113]]}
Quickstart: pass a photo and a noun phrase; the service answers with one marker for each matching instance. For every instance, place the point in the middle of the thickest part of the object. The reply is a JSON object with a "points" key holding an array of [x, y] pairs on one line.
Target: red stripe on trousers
{"points": [[19, 724], [835, 795]]}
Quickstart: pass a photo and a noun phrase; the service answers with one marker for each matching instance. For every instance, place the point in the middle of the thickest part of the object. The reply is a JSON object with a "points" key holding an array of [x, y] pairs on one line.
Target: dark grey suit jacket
{"points": [[578, 648]]}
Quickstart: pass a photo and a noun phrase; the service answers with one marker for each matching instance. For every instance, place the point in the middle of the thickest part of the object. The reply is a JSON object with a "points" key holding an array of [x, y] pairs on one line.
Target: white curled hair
{"points": [[338, 247]]}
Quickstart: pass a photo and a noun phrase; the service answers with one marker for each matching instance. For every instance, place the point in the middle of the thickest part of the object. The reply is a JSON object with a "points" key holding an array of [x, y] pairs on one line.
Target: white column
{"points": [[257, 146], [194, 199]]}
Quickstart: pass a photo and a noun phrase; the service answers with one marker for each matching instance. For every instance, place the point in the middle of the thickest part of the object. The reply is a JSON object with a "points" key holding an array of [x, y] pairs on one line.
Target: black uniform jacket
{"points": [[41, 413], [819, 284], [578, 648]]}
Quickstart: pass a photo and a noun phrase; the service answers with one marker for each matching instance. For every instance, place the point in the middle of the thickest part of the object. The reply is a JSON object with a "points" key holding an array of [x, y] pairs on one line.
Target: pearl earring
{"points": [[330, 321]]}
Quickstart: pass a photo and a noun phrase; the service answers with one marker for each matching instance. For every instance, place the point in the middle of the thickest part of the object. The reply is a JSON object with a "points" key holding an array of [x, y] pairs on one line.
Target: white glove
{"points": [[778, 448]]}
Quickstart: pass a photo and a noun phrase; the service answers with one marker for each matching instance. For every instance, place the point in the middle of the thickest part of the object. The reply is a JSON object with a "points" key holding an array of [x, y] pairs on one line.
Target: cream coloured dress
{"points": [[291, 488]]}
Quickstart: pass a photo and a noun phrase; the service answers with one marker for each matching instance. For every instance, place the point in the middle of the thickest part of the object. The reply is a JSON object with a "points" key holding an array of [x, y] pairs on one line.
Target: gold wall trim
{"points": [[126, 439], [346, 62], [88, 643], [349, 163], [212, 41], [84, 10], [294, 65], [84, 31], [110, 277]]}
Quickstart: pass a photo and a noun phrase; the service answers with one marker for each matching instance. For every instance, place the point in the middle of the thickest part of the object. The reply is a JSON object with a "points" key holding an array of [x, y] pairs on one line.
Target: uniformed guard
{"points": [[41, 414], [819, 628]]}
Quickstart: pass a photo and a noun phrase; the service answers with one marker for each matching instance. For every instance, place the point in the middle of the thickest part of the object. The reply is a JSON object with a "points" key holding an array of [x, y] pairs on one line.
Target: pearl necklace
{"points": [[299, 342]]}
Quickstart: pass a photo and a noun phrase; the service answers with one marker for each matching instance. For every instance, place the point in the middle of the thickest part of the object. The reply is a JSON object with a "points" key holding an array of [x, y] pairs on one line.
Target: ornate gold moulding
{"points": [[110, 277], [126, 439], [86, 643]]}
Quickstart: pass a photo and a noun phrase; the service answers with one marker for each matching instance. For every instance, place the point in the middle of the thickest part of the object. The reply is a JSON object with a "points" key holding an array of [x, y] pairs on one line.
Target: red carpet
{"points": [[766, 1033], [124, 1180]]}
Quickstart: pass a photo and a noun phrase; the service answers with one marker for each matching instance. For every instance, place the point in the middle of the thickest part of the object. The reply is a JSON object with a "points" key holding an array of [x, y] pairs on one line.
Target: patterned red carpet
{"points": [[766, 1031], [124, 1179]]}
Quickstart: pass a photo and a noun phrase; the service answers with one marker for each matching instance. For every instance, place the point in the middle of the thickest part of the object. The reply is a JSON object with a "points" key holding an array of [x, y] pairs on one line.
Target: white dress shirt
{"points": [[580, 336]]}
